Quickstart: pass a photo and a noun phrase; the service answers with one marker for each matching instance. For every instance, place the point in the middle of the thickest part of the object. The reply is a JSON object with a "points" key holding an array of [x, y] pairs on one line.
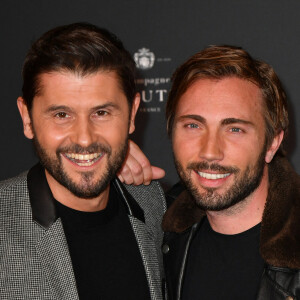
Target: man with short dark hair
{"points": [[69, 229], [233, 226]]}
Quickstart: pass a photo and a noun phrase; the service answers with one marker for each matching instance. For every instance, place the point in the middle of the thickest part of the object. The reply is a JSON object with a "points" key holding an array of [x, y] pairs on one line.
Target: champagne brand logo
{"points": [[144, 59], [153, 82]]}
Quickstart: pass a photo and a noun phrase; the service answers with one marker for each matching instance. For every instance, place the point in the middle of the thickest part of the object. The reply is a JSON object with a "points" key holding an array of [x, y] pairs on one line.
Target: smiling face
{"points": [[80, 128], [219, 141]]}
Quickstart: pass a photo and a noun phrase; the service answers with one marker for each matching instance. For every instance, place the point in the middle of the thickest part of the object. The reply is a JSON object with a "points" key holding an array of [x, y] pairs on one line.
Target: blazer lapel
{"points": [[56, 262], [149, 256]]}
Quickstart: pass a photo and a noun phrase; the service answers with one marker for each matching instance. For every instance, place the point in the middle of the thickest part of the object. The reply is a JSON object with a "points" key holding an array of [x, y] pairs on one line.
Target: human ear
{"points": [[274, 147], [27, 126], [134, 108]]}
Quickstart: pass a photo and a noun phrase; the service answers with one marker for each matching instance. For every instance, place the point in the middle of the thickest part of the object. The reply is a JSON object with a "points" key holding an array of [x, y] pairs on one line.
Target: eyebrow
{"points": [[54, 108], [108, 104], [226, 121], [194, 117], [229, 121]]}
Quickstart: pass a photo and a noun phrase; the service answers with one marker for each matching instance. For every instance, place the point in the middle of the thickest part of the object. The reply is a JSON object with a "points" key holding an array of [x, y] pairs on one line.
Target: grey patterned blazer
{"points": [[34, 258]]}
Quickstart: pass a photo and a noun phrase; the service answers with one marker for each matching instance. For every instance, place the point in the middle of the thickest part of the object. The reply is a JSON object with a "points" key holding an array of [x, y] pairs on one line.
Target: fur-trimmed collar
{"points": [[280, 228]]}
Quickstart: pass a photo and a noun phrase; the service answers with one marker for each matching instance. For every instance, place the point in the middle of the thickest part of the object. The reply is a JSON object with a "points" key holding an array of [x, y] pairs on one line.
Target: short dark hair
{"points": [[217, 62], [80, 48]]}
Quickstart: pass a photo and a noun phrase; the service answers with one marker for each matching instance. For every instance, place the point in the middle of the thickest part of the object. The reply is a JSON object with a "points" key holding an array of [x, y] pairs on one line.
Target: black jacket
{"points": [[279, 237]]}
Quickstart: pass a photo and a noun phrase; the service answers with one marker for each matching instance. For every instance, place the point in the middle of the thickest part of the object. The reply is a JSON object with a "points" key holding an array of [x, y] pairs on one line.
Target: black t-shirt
{"points": [[104, 252], [226, 267]]}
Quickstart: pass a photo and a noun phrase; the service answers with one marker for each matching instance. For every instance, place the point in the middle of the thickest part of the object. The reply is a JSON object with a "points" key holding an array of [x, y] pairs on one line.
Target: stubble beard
{"points": [[210, 200], [87, 188]]}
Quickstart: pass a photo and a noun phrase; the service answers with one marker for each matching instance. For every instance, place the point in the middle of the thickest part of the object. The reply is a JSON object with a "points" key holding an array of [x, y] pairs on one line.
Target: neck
{"points": [[243, 215], [65, 197]]}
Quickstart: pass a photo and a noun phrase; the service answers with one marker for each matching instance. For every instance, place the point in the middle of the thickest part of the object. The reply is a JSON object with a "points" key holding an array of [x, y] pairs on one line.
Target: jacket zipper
{"points": [[179, 290]]}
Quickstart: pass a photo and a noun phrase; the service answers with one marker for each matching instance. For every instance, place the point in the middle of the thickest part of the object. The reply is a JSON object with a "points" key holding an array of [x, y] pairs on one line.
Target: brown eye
{"points": [[61, 115], [101, 113]]}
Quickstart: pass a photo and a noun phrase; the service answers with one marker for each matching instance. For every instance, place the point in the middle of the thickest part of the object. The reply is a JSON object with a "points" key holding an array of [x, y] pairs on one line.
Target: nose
{"points": [[83, 132], [211, 147]]}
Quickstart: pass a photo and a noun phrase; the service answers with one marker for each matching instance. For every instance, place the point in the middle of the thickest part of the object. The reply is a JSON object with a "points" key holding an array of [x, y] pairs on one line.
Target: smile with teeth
{"points": [[213, 176], [83, 160]]}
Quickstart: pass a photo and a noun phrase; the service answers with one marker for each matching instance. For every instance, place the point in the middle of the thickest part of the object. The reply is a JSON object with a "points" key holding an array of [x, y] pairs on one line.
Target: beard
{"points": [[88, 186], [210, 200]]}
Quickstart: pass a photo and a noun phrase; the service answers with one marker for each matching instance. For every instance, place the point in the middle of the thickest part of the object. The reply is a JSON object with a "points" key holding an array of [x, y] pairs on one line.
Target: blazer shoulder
{"points": [[149, 197], [14, 195], [13, 183]]}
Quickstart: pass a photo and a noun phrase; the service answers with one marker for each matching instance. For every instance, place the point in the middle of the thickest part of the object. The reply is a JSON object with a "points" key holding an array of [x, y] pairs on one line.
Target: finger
{"points": [[157, 173], [136, 170], [147, 171], [125, 173], [120, 177], [140, 165]]}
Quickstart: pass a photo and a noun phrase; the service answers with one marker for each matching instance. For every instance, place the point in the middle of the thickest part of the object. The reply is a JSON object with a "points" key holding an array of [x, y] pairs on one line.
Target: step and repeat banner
{"points": [[160, 35]]}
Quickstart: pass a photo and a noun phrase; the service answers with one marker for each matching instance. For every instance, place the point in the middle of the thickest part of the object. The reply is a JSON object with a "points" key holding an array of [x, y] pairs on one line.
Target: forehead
{"points": [[72, 80], [73, 88], [224, 98]]}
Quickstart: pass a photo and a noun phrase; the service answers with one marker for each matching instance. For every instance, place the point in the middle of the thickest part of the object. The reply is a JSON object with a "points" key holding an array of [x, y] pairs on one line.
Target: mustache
{"points": [[204, 165], [93, 148]]}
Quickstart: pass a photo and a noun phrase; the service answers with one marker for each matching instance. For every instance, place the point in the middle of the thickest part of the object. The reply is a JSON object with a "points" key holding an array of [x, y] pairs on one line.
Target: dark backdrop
{"points": [[161, 34]]}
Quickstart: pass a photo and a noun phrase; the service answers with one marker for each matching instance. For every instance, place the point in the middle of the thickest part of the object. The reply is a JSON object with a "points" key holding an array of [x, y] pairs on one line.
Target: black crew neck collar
{"points": [[43, 206], [253, 231], [82, 220]]}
